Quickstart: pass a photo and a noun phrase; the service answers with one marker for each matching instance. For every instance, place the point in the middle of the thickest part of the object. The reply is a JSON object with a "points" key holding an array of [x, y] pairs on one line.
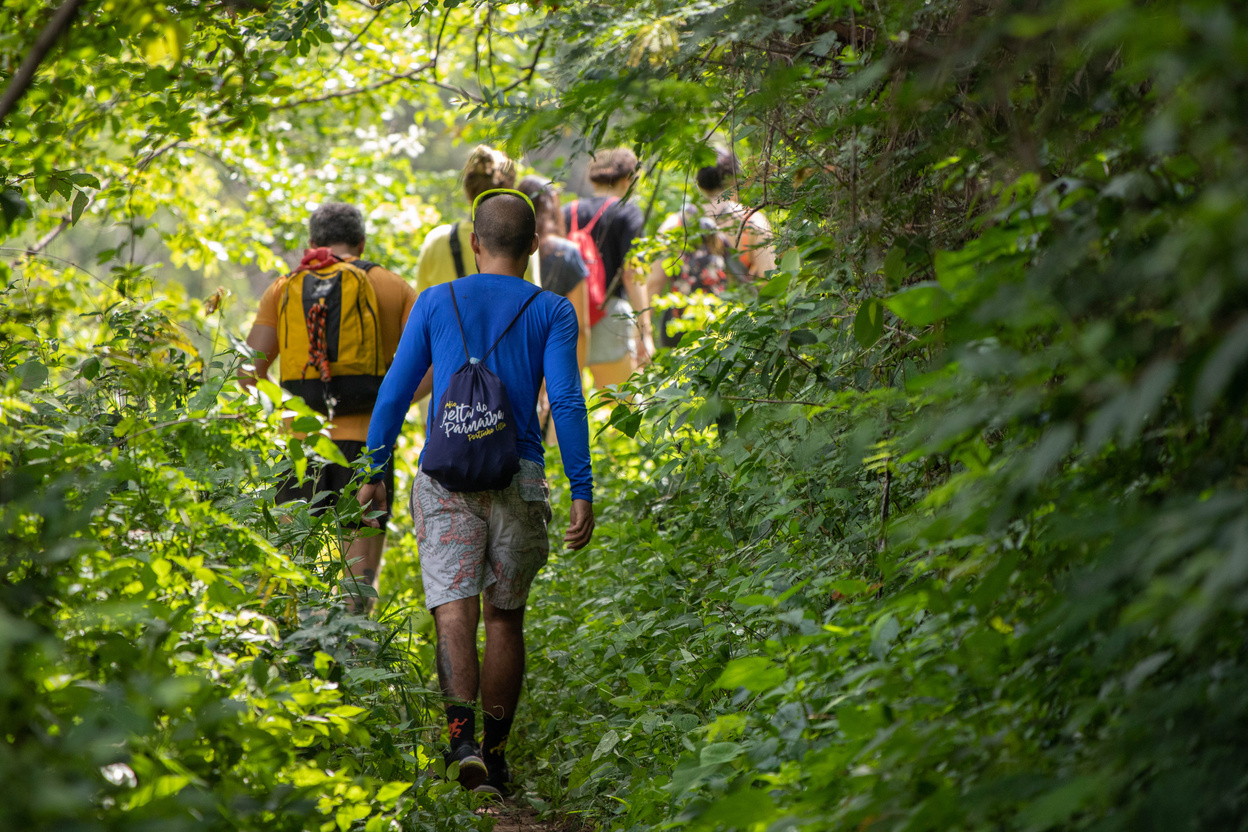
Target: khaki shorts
{"points": [[489, 543]]}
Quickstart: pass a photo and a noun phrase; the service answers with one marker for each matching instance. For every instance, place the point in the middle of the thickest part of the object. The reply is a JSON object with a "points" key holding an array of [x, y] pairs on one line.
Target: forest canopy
{"points": [[941, 526]]}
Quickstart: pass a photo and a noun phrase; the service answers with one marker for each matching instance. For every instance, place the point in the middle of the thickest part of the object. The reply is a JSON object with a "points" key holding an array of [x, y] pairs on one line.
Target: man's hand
{"points": [[581, 528], [372, 495]]}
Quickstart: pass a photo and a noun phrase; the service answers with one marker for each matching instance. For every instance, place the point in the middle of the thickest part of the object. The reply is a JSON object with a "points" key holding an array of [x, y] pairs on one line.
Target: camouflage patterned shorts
{"points": [[488, 543]]}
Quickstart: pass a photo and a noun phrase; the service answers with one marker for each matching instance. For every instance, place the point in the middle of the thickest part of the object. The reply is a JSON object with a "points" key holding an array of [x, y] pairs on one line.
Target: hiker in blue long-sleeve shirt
{"points": [[488, 543]]}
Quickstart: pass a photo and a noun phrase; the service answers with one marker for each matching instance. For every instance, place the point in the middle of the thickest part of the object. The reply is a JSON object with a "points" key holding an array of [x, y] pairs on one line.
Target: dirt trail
{"points": [[517, 819]]}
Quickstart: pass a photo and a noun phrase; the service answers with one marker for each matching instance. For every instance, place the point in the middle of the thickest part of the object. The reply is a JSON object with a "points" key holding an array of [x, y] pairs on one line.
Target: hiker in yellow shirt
{"points": [[447, 252]]}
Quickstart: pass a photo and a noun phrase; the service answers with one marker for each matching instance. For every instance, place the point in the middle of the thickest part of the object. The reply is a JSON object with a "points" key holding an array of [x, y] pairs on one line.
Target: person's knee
{"points": [[457, 614], [500, 619]]}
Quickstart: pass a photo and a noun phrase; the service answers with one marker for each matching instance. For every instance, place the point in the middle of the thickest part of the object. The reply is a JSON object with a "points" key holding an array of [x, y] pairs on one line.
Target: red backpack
{"points": [[596, 284]]}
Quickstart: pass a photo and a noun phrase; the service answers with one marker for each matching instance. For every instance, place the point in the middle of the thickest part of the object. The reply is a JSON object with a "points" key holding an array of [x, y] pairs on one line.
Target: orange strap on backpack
{"points": [[318, 347]]}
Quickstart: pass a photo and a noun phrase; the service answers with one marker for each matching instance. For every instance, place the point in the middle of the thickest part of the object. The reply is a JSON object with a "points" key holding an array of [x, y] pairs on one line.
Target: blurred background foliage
{"points": [[942, 527]]}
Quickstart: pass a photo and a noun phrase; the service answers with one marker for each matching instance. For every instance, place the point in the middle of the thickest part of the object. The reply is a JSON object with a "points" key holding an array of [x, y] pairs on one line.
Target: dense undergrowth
{"points": [[942, 527], [171, 653]]}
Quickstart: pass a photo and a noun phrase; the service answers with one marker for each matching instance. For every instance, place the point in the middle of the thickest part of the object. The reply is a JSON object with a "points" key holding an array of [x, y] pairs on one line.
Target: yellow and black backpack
{"points": [[329, 337]]}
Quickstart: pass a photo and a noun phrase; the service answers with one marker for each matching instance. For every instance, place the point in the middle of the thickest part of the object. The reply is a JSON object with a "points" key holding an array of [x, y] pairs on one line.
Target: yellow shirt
{"points": [[437, 265], [395, 299]]}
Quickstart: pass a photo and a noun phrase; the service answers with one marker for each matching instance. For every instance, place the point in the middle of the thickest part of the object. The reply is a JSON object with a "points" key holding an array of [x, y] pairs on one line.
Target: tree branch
{"points": [[773, 401], [46, 240], [532, 67], [342, 54], [330, 96], [25, 74]]}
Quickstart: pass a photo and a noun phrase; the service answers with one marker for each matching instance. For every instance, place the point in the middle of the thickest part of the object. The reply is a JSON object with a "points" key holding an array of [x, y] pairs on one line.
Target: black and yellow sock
{"points": [[494, 741]]}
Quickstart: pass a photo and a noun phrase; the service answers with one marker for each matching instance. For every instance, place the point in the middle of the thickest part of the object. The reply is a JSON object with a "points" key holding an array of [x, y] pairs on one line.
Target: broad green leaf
{"points": [[791, 262], [164, 43], [718, 753], [639, 682], [869, 322], [80, 204], [921, 304], [775, 287], [392, 791], [630, 424], [685, 722], [13, 206], [754, 673], [90, 368], [895, 268], [32, 373], [606, 745], [328, 449], [271, 394], [306, 424], [883, 634]]}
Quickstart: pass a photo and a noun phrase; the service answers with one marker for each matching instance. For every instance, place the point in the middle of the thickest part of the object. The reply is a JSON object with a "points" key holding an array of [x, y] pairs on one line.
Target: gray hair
{"points": [[336, 222]]}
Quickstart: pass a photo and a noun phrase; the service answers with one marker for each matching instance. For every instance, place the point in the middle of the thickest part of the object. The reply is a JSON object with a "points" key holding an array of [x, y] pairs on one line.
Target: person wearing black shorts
{"points": [[339, 229], [331, 480]]}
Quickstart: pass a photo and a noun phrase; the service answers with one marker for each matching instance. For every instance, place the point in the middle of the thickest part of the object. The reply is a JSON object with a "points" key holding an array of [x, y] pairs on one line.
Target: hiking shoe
{"points": [[472, 770], [498, 783]]}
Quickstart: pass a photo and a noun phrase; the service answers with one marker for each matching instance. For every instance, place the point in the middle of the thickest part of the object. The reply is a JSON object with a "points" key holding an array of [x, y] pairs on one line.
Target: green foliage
{"points": [[947, 531], [199, 136], [171, 655], [940, 527]]}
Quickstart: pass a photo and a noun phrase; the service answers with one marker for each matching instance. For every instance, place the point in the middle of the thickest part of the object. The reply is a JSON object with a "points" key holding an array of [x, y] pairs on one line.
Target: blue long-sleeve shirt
{"points": [[542, 343]]}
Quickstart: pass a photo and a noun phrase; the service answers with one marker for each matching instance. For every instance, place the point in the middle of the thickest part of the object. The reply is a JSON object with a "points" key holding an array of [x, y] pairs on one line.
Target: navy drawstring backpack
{"points": [[472, 439]]}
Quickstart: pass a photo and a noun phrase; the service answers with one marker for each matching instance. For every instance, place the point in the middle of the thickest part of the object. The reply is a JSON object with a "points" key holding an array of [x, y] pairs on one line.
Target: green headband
{"points": [[493, 191]]}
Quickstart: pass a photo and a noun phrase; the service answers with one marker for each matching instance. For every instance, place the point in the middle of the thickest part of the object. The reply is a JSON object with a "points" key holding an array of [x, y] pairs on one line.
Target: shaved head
{"points": [[505, 226]]}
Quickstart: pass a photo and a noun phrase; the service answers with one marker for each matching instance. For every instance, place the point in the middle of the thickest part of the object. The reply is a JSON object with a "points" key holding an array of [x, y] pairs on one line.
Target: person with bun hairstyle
{"points": [[620, 339], [446, 253]]}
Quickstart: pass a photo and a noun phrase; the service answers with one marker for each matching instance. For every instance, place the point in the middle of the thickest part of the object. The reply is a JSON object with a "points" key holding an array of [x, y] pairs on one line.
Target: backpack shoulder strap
{"points": [[532, 298], [451, 290], [365, 266], [611, 200], [576, 220], [457, 253]]}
